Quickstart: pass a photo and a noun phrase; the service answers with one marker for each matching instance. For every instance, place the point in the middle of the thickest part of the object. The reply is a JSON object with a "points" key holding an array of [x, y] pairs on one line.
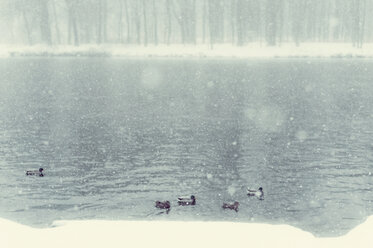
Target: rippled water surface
{"points": [[115, 135]]}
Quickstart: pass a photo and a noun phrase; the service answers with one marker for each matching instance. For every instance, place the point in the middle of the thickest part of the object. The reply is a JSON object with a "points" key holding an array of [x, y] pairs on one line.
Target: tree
{"points": [[72, 23], [45, 30], [155, 24], [145, 22], [358, 22]]}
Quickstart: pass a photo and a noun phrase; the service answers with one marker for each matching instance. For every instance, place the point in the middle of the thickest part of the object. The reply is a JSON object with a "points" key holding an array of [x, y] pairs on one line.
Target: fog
{"points": [[144, 22]]}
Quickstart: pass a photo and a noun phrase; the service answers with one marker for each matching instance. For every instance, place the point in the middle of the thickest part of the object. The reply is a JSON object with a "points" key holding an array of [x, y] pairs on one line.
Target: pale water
{"points": [[116, 135]]}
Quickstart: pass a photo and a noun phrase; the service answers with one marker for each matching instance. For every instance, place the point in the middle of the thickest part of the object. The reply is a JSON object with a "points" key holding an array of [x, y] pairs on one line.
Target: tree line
{"points": [[144, 22]]}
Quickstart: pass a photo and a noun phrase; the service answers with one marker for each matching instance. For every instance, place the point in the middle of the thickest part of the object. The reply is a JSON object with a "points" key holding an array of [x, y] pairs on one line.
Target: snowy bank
{"points": [[174, 234], [255, 50]]}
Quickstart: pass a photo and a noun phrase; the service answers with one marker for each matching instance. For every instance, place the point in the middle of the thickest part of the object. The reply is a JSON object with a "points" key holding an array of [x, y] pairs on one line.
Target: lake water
{"points": [[115, 135]]}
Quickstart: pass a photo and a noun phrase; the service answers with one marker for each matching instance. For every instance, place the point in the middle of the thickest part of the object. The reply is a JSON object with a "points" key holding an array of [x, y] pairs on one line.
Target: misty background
{"points": [[270, 22]]}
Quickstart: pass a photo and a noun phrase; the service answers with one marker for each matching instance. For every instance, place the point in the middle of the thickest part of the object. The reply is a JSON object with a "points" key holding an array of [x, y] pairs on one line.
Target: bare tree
{"points": [[72, 23], [45, 30]]}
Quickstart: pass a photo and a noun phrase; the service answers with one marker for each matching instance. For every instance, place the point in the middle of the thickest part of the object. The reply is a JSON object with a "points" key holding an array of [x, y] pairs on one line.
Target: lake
{"points": [[115, 135]]}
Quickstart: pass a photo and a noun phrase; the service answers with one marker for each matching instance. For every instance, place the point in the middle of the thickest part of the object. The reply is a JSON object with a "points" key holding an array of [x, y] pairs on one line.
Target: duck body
{"points": [[232, 206], [35, 172], [184, 201], [258, 193]]}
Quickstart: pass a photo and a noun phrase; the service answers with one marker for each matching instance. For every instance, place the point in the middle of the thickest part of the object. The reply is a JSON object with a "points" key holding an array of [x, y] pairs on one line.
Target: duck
{"points": [[183, 201], [233, 206], [163, 205], [258, 193], [35, 172]]}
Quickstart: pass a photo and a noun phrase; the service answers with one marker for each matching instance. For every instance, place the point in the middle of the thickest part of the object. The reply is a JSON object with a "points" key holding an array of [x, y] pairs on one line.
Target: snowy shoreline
{"points": [[98, 233], [286, 50]]}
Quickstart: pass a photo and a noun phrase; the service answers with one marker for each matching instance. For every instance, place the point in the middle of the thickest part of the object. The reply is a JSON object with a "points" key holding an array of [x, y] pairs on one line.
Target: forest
{"points": [[153, 22]]}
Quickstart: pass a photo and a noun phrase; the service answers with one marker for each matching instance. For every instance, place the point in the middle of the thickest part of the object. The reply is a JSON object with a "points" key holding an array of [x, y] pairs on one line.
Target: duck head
{"points": [[41, 170]]}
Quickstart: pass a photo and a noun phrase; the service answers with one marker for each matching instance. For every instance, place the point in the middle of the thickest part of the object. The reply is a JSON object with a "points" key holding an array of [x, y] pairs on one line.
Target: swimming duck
{"points": [[183, 201], [35, 172], [163, 205], [233, 206], [258, 193]]}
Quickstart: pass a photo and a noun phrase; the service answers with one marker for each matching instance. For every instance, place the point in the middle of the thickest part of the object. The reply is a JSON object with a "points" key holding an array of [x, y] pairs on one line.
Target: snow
{"points": [[301, 135], [151, 78], [99, 233], [253, 50], [231, 190], [267, 118]]}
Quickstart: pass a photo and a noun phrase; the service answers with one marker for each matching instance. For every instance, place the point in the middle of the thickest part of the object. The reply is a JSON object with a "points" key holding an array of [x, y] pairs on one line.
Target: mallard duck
{"points": [[163, 205], [35, 172], [233, 206], [183, 201], [258, 193]]}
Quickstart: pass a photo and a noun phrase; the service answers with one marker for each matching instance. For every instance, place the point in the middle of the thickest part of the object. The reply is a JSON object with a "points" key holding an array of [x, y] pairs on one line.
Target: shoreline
{"points": [[100, 233], [221, 51]]}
